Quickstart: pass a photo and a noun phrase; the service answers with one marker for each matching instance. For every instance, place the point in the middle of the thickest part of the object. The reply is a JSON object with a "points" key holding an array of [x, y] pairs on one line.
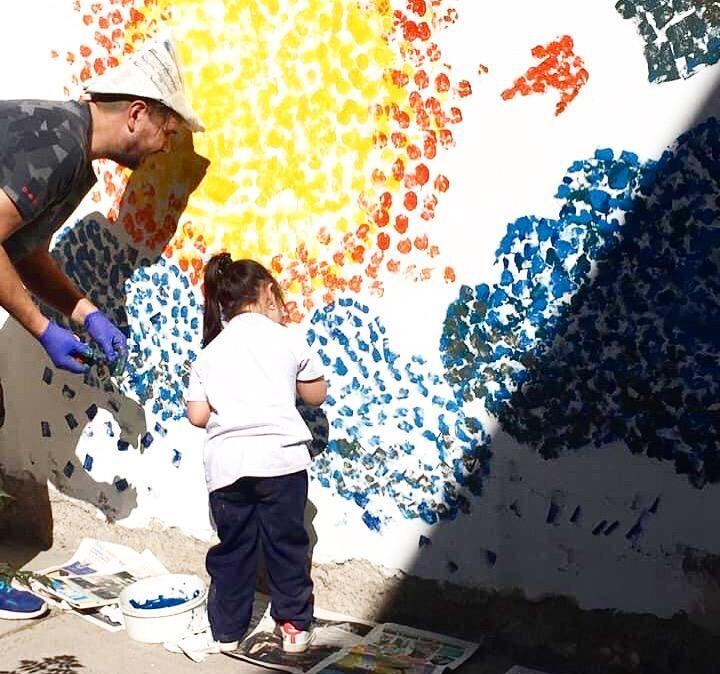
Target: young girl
{"points": [[243, 390]]}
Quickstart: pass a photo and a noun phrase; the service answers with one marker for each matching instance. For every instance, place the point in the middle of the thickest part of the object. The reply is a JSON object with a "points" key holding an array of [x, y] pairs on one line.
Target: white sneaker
{"points": [[198, 646], [293, 639]]}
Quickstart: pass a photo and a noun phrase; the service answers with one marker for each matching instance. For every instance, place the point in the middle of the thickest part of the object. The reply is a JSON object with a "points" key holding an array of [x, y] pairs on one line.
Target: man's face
{"points": [[151, 130]]}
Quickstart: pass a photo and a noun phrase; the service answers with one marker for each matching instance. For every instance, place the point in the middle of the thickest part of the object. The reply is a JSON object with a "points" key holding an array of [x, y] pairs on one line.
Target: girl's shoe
{"points": [[293, 639], [18, 604]]}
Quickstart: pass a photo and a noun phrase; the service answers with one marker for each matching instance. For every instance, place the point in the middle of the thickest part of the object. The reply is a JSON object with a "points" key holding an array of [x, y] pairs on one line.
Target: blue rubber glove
{"points": [[111, 340], [64, 348]]}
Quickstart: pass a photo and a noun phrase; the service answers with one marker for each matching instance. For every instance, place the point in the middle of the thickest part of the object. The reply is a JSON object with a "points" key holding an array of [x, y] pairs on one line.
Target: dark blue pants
{"points": [[269, 509]]}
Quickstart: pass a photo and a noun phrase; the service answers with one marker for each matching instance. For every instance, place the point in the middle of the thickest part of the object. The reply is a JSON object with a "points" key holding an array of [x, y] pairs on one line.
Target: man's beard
{"points": [[127, 159]]}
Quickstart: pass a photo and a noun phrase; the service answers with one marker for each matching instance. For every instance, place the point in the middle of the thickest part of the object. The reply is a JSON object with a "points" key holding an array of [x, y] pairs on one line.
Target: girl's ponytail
{"points": [[212, 315]]}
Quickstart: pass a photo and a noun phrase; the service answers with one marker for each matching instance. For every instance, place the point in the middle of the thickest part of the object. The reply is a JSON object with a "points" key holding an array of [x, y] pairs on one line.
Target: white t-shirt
{"points": [[247, 374]]}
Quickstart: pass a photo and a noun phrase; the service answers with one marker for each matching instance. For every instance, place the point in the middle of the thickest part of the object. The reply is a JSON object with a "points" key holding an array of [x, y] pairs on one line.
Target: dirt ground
{"points": [[553, 634]]}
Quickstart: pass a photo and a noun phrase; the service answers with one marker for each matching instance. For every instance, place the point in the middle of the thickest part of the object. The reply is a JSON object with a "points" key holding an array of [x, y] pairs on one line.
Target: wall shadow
{"points": [[610, 338], [57, 424]]}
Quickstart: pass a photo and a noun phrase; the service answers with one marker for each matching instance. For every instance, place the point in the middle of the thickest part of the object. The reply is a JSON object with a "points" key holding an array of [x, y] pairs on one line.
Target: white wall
{"points": [[507, 161]]}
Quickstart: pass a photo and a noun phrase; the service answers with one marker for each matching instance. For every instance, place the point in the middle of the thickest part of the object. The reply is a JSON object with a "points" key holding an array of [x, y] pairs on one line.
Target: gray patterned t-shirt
{"points": [[44, 166]]}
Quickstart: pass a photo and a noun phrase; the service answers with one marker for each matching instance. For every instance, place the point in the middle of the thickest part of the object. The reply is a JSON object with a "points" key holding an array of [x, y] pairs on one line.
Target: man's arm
{"points": [[13, 295], [43, 278]]}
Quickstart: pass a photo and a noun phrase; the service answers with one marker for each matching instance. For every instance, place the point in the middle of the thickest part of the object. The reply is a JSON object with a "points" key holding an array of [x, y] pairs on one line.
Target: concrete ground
{"points": [[62, 643]]}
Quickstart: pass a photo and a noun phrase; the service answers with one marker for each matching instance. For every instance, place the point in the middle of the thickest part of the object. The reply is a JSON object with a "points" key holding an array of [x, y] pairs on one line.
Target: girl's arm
{"points": [[312, 392], [198, 412]]}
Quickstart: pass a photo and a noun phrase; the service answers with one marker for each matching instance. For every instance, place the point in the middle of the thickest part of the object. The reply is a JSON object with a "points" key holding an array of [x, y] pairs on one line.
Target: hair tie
{"points": [[223, 263]]}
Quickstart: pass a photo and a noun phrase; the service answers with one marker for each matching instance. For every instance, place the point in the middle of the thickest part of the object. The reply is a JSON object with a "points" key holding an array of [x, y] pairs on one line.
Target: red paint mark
{"points": [[560, 68]]}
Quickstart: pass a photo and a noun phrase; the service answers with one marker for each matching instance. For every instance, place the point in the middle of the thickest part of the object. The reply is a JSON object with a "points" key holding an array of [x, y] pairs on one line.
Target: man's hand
{"points": [[64, 348], [111, 340]]}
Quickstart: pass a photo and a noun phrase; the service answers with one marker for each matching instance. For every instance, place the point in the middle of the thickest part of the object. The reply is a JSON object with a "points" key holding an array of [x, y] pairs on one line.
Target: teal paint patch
{"points": [[681, 37]]}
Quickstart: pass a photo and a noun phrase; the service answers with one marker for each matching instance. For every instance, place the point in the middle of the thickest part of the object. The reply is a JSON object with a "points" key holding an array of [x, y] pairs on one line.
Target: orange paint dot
{"points": [[464, 88], [398, 169], [422, 174], [423, 31], [404, 246], [401, 223], [417, 7], [410, 201], [442, 183], [421, 79], [449, 274], [442, 83], [399, 78], [413, 152], [383, 241], [446, 138], [560, 68], [421, 242], [399, 139]]}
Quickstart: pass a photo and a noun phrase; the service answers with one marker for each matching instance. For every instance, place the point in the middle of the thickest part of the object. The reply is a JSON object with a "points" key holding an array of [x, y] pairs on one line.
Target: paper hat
{"points": [[151, 72]]}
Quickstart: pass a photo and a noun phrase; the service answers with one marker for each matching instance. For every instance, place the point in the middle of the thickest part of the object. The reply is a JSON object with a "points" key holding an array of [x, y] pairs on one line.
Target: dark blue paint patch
{"points": [[69, 469], [371, 522], [424, 542], [431, 458], [141, 295], [611, 528], [552, 513], [599, 528], [608, 330], [91, 411], [121, 484], [88, 463], [47, 375], [123, 445], [68, 392], [71, 421], [45, 429]]}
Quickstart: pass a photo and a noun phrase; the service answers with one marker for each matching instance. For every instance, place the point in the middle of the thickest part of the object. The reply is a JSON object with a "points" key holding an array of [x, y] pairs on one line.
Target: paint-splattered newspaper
{"points": [[343, 645], [90, 583]]}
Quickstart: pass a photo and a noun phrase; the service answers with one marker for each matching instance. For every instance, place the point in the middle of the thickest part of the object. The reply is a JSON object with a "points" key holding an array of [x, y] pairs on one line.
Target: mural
{"points": [[339, 134]]}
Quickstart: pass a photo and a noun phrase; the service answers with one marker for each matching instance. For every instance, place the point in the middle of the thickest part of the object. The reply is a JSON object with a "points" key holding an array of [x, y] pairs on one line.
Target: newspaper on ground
{"points": [[89, 584], [341, 644]]}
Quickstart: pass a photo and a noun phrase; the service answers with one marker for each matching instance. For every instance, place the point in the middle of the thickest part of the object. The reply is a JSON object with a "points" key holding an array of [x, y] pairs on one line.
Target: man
{"points": [[46, 150]]}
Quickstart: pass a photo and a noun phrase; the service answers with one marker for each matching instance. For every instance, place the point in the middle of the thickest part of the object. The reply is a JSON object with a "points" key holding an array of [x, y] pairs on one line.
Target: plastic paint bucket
{"points": [[163, 608]]}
